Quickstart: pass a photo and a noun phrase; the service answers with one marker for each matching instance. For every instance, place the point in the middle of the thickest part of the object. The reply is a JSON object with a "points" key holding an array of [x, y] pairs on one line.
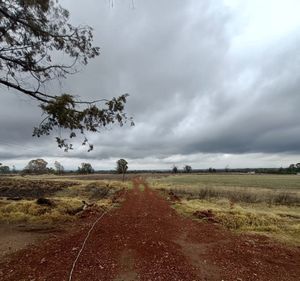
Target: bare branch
{"points": [[27, 92]]}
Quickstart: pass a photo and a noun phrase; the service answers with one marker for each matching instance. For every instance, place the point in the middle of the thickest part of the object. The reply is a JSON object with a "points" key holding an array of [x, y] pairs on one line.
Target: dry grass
{"points": [[271, 210], [246, 195], [28, 188], [30, 211], [67, 197], [263, 181], [281, 222]]}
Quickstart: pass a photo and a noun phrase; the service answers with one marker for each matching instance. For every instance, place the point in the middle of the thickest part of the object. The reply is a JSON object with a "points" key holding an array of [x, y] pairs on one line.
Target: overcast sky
{"points": [[211, 84]]}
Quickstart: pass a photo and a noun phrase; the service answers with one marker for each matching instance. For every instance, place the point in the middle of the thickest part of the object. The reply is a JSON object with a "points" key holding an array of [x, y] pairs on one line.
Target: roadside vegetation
{"points": [[266, 204], [49, 199]]}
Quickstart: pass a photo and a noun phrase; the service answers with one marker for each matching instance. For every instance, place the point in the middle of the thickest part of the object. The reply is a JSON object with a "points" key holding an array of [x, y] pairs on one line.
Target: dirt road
{"points": [[145, 239]]}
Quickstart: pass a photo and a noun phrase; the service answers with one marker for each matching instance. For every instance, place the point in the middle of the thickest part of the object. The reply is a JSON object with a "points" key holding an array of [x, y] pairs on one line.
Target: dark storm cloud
{"points": [[190, 91]]}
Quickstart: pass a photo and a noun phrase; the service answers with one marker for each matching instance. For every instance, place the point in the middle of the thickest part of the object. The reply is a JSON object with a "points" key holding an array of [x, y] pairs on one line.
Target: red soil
{"points": [[145, 239]]}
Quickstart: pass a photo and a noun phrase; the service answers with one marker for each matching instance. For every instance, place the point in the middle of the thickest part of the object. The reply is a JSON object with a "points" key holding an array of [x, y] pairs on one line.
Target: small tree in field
{"points": [[36, 166], [86, 168], [212, 170], [4, 169], [122, 167], [187, 169], [174, 170], [59, 168], [14, 170]]}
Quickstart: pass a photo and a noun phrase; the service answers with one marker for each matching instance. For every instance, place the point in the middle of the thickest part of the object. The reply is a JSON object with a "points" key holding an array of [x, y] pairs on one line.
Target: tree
{"points": [[212, 170], [36, 166], [86, 168], [174, 170], [292, 167], [34, 37], [227, 169], [187, 169], [4, 169], [122, 167], [59, 168]]}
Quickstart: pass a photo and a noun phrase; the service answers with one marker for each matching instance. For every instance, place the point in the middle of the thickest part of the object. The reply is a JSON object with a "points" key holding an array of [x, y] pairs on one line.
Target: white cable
{"points": [[85, 240], [83, 245]]}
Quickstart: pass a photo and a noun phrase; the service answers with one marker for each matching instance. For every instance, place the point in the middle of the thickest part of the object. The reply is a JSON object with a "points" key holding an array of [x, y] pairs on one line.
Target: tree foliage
{"points": [[293, 168], [122, 167], [212, 170], [86, 168], [36, 166], [59, 168], [174, 169], [34, 36], [4, 169], [187, 169]]}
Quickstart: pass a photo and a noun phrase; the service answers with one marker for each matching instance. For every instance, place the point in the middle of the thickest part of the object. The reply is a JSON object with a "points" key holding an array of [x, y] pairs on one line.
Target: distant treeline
{"points": [[40, 166]]}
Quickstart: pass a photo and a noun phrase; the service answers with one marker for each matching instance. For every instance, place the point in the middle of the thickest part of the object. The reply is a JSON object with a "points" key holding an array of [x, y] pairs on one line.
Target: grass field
{"points": [[266, 204], [18, 197], [278, 182]]}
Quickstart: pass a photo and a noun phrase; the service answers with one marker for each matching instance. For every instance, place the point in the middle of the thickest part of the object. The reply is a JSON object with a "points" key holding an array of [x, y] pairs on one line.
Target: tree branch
{"points": [[33, 94]]}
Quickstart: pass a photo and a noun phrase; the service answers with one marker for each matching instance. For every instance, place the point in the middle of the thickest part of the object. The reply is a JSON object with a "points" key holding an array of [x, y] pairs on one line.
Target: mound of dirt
{"points": [[173, 196], [30, 189], [97, 191], [117, 196], [206, 214], [45, 202]]}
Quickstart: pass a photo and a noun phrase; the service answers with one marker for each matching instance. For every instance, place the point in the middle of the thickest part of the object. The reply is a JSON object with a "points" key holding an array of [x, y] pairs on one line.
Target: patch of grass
{"points": [[271, 189], [30, 211], [93, 190], [247, 195], [281, 182], [266, 204], [26, 188], [67, 195], [281, 222]]}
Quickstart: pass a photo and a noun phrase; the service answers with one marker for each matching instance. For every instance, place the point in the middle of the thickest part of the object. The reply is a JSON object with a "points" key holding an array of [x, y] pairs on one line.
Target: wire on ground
{"points": [[83, 244]]}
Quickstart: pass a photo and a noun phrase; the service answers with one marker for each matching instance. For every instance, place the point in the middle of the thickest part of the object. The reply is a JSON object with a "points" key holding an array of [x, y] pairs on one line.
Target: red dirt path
{"points": [[145, 239]]}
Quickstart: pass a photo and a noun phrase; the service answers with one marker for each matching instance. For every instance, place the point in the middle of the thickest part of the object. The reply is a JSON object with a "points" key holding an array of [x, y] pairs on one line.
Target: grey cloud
{"points": [[190, 93]]}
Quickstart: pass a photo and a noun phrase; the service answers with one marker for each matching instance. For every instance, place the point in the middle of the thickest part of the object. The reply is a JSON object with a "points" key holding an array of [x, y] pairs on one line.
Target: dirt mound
{"points": [[206, 214], [45, 202], [117, 197], [173, 196], [30, 189]]}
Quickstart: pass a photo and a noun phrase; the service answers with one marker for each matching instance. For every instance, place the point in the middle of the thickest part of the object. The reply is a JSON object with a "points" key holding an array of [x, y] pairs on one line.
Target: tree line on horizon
{"points": [[39, 166]]}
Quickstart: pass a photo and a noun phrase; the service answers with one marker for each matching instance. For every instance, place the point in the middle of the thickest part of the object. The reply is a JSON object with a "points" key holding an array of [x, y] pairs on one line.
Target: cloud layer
{"points": [[202, 90]]}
